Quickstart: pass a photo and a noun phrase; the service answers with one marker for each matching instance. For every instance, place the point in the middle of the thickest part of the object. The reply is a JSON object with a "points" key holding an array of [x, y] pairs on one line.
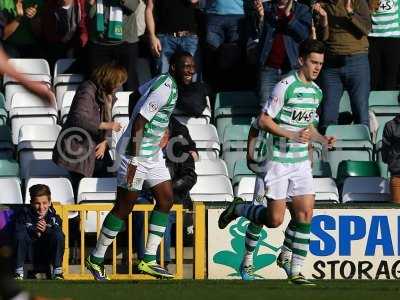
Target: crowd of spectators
{"points": [[236, 45]]}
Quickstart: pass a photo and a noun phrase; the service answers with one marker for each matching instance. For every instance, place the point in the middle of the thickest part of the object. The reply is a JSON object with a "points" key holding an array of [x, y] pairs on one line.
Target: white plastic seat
{"points": [[27, 109], [120, 107], [216, 188], [325, 190], [207, 167], [205, 136], [35, 69], [97, 190], [246, 188], [61, 90], [60, 189], [10, 191], [94, 191], [365, 189], [66, 105], [36, 142]]}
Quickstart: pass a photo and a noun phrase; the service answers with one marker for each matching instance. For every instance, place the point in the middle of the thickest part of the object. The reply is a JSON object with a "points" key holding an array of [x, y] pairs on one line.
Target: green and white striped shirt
{"points": [[386, 20], [292, 105], [156, 105]]}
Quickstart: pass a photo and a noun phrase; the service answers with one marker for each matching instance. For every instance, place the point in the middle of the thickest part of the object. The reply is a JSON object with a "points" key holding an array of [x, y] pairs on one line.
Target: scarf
{"points": [[114, 21]]}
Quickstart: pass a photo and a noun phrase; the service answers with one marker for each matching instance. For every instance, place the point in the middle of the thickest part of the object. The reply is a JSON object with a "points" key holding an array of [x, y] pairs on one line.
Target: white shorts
{"points": [[149, 171], [284, 181]]}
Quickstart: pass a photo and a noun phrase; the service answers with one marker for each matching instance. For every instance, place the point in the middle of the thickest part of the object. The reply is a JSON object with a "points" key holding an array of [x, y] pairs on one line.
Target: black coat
{"points": [[391, 145]]}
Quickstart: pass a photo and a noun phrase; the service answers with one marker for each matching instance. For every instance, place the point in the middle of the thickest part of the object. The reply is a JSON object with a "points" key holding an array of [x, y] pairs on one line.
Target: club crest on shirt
{"points": [[152, 106]]}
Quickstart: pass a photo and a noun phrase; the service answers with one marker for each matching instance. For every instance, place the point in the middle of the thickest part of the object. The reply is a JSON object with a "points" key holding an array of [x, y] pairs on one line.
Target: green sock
{"points": [[111, 226], [300, 246], [158, 223], [252, 237]]}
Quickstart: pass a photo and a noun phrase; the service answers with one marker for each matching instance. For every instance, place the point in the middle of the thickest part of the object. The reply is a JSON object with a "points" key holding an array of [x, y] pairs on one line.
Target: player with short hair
{"points": [[288, 117], [142, 162]]}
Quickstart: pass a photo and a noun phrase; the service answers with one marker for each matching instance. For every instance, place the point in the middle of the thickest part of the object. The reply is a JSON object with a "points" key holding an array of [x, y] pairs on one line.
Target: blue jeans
{"points": [[352, 74], [171, 44], [224, 29], [269, 77]]}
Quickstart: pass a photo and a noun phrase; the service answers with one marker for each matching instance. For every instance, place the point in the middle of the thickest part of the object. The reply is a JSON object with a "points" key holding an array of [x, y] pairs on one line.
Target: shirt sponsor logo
{"points": [[302, 115]]}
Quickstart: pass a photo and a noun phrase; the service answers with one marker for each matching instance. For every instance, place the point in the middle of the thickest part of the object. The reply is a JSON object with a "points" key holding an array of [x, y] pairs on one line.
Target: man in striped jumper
{"points": [[142, 162], [289, 117]]}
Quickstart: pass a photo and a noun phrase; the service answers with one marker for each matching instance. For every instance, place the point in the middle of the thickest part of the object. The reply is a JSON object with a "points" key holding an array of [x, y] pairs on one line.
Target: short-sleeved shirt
{"points": [[156, 104], [293, 106]]}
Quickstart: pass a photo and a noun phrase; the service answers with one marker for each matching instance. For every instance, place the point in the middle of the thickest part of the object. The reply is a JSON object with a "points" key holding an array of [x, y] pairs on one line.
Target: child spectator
{"points": [[38, 233]]}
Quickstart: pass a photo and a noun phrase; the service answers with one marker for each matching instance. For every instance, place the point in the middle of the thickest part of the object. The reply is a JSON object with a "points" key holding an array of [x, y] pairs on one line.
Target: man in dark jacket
{"points": [[38, 231], [391, 155], [286, 24]]}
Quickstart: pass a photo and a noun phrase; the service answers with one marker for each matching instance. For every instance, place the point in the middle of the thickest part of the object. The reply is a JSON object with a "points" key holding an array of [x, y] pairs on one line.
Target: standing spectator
{"points": [[384, 40], [82, 146], [391, 155], [346, 64], [64, 28], [22, 28], [172, 27], [38, 232], [286, 24], [113, 36]]}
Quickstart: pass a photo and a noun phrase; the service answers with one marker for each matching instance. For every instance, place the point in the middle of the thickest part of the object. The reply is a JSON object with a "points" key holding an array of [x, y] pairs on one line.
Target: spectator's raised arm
{"points": [[359, 16]]}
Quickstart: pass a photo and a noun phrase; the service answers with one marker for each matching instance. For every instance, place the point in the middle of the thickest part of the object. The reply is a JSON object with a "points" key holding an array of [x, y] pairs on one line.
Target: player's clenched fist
{"points": [[302, 136]]}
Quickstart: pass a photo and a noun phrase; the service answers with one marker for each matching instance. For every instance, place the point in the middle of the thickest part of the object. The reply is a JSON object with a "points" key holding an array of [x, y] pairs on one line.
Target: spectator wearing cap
{"points": [[346, 64]]}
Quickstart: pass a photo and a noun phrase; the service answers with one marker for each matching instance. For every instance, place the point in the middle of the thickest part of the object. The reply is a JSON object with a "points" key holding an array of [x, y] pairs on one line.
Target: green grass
{"points": [[214, 289]]}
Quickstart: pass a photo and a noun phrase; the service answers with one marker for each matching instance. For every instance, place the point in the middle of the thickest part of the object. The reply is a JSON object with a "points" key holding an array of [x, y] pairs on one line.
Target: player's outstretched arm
{"points": [[268, 124]]}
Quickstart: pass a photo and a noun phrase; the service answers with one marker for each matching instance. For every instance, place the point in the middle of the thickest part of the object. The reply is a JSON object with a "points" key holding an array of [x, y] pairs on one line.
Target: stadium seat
{"points": [[3, 111], [63, 81], [234, 145], [353, 143], [206, 138], [234, 116], [36, 142], [326, 190], [10, 191], [66, 105], [203, 119], [383, 167], [351, 168], [240, 170], [60, 188], [236, 99], [6, 144], [245, 188], [9, 168], [97, 190], [45, 168], [27, 109], [34, 69], [385, 105], [321, 169], [120, 107], [94, 191], [345, 103], [10, 91], [207, 167], [215, 188], [365, 189]]}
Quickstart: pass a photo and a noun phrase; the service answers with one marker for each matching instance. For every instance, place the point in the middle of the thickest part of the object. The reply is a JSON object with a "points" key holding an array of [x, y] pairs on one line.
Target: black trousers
{"points": [[8, 287], [44, 251], [384, 60], [125, 54]]}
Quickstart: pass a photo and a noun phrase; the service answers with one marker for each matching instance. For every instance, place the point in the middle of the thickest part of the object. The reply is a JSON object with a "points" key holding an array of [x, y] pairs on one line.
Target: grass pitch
{"points": [[214, 289]]}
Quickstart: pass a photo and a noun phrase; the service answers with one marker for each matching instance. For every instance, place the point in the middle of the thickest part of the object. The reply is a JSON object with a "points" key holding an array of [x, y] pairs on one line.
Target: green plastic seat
{"points": [[345, 103], [236, 98], [231, 157], [383, 98], [321, 169], [6, 145], [2, 101], [9, 168], [349, 132], [351, 168], [224, 122], [240, 170]]}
